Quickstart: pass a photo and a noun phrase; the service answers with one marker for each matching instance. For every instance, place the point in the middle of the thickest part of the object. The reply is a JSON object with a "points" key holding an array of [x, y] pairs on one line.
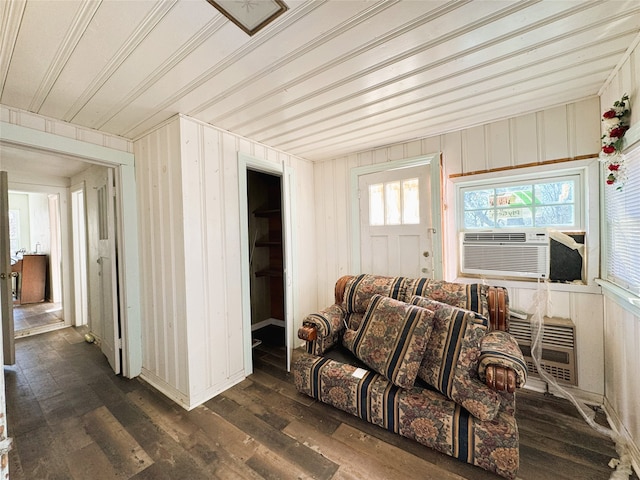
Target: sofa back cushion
{"points": [[470, 297], [450, 363], [391, 339], [361, 288]]}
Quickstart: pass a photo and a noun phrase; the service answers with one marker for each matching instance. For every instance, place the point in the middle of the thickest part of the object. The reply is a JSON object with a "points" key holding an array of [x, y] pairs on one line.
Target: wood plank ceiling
{"points": [[325, 79]]}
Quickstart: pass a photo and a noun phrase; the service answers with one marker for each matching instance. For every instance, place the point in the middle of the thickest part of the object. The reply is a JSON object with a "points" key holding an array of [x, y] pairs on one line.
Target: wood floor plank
{"points": [[126, 455], [310, 461], [353, 464], [90, 462], [406, 463]]}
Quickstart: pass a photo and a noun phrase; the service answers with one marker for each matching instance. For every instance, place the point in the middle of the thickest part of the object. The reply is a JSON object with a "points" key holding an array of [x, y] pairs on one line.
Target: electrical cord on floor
{"points": [[622, 465]]}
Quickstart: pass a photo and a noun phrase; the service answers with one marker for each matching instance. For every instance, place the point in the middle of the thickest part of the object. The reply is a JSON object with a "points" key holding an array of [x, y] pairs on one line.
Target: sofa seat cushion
{"points": [[391, 339], [450, 363], [361, 288], [418, 413]]}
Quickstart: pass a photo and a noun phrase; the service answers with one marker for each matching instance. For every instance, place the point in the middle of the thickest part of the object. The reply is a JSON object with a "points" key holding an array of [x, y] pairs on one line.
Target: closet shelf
{"points": [[268, 243]]}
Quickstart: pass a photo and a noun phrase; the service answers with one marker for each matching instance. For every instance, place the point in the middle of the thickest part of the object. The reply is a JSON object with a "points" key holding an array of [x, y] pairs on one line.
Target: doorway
{"points": [[388, 240], [36, 259], [266, 266]]}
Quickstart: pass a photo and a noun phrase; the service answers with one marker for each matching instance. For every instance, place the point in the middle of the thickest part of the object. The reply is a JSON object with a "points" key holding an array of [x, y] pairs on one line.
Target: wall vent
{"points": [[558, 347], [505, 254]]}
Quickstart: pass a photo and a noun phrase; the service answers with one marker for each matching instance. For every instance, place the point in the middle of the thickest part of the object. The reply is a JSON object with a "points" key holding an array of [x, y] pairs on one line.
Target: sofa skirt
{"points": [[418, 413]]}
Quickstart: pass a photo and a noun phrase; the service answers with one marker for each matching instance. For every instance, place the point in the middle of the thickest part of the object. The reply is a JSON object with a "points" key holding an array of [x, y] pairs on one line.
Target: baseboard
{"points": [[163, 387], [618, 426], [538, 385], [266, 323]]}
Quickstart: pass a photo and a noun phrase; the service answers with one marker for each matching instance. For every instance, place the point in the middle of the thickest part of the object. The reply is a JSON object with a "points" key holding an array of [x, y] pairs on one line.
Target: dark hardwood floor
{"points": [[71, 418]]}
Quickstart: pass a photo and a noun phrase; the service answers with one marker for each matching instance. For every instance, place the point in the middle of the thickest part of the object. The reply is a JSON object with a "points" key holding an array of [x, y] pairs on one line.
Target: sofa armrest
{"points": [[323, 329], [501, 365]]}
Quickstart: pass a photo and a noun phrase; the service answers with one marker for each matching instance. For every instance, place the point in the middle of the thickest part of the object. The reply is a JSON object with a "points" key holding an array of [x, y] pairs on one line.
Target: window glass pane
{"points": [[392, 203], [410, 201], [556, 192], [478, 199], [557, 216], [514, 196], [376, 204], [479, 219], [514, 217]]}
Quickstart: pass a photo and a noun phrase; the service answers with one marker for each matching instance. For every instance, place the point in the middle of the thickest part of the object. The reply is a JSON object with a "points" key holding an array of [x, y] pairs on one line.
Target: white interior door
{"points": [[396, 223], [110, 337], [6, 295]]}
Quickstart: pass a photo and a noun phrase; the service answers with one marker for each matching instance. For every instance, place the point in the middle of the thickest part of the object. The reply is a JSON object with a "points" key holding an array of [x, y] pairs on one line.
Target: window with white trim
{"points": [[622, 227], [548, 201]]}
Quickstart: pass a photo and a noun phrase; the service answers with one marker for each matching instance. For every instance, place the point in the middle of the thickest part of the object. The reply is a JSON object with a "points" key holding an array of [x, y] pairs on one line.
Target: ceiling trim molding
{"points": [[621, 62], [140, 33], [76, 30], [36, 139]]}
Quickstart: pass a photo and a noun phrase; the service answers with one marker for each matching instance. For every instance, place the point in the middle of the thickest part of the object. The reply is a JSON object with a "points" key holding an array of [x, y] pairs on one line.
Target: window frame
{"points": [[532, 179], [588, 166]]}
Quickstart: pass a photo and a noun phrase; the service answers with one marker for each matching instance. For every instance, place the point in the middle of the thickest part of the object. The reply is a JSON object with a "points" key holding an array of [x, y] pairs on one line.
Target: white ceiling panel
{"points": [[326, 78]]}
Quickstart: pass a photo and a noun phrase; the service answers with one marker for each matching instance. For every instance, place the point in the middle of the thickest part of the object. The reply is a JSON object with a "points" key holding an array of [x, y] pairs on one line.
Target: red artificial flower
{"points": [[614, 167], [618, 132], [608, 149], [610, 182], [609, 114]]}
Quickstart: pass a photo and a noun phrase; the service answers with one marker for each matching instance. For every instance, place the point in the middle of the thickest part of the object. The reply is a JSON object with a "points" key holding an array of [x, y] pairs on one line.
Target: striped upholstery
{"points": [[450, 363], [417, 413], [391, 339], [361, 288], [470, 297], [500, 348]]}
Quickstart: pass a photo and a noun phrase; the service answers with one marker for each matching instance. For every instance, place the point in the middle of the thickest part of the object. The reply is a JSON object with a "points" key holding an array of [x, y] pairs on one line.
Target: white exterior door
{"points": [[107, 272], [395, 222]]}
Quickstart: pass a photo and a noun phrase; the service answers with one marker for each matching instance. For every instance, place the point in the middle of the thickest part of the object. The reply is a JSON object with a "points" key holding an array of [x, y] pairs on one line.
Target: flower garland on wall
{"points": [[615, 122]]}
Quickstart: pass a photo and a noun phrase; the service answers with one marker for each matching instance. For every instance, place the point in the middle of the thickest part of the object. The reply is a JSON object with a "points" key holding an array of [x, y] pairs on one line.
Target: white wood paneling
{"points": [[327, 78], [622, 327], [191, 260]]}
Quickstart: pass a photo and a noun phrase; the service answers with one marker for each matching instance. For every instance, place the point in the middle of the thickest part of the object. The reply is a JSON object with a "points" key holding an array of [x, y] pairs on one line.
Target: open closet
{"points": [[264, 202]]}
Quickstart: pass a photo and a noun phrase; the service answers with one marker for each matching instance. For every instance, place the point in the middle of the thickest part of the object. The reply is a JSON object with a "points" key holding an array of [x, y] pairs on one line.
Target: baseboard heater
{"points": [[558, 347]]}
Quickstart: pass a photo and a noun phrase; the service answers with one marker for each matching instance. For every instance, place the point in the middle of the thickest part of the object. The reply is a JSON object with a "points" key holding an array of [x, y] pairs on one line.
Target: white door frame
{"points": [[246, 162], [128, 258], [435, 201]]}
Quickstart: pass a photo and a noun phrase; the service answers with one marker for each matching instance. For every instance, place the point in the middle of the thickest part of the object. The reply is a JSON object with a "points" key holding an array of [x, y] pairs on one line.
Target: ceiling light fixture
{"points": [[250, 15]]}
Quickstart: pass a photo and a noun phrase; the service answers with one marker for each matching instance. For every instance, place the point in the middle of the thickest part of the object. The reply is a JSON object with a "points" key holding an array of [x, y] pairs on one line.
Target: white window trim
{"points": [[625, 298], [589, 169]]}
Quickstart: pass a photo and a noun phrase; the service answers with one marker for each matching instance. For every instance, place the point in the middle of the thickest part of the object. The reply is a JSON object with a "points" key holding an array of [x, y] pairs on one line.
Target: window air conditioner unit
{"points": [[558, 347], [505, 253]]}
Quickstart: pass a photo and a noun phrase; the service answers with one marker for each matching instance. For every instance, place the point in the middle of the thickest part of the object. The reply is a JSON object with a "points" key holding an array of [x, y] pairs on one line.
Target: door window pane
{"points": [[376, 204], [410, 202], [392, 203]]}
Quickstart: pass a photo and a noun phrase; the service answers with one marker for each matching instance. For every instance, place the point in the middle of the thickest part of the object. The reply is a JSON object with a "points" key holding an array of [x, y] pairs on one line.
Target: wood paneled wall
{"points": [[187, 175], [621, 325], [567, 131]]}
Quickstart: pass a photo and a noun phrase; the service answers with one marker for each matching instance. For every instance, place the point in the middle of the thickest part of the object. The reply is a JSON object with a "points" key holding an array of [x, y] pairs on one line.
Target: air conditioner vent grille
{"points": [[495, 237]]}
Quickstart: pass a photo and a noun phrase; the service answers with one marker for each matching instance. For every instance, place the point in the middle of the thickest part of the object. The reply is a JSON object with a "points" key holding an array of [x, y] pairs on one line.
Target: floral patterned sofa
{"points": [[429, 360]]}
